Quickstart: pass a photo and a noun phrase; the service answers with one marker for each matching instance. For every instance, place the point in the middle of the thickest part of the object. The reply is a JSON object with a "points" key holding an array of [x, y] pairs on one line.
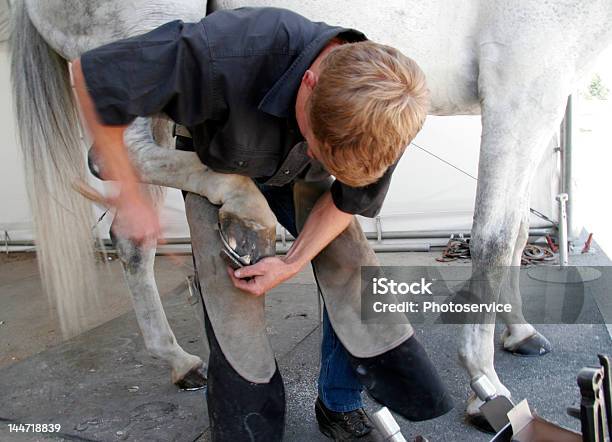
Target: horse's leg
{"points": [[520, 337], [518, 120], [188, 371], [244, 215], [243, 209]]}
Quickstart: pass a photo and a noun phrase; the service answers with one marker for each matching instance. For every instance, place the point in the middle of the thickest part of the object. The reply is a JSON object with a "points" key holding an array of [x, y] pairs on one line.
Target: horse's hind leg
{"points": [[188, 371], [244, 214]]}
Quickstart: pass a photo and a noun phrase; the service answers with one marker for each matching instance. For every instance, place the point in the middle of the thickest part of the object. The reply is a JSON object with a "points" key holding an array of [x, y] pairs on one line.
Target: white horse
{"points": [[515, 63]]}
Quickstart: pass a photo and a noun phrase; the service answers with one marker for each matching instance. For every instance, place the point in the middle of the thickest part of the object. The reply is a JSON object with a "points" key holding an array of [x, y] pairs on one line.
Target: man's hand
{"points": [[265, 275], [324, 223], [136, 219]]}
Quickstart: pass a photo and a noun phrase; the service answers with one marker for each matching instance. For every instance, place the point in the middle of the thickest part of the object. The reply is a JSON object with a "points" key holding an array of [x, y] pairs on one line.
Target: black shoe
{"points": [[352, 425]]}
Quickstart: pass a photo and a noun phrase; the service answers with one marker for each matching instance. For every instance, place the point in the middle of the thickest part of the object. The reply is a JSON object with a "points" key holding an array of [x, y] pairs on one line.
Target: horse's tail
{"points": [[54, 158]]}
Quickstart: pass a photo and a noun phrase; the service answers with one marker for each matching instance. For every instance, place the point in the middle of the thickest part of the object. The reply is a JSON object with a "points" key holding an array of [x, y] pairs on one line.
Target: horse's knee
{"points": [[127, 252], [493, 245], [490, 251]]}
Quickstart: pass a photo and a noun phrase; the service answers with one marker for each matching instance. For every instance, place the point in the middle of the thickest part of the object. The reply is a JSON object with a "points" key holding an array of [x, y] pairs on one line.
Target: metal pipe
{"points": [[563, 241], [382, 247], [567, 163], [433, 234], [436, 234], [379, 247]]}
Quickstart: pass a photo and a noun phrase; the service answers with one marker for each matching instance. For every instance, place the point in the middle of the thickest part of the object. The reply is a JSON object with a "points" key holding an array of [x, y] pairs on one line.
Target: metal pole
{"points": [[563, 243], [379, 231], [566, 164], [425, 235]]}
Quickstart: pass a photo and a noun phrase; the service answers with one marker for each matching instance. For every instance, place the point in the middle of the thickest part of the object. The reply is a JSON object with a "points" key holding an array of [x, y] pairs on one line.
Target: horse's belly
{"points": [[438, 34]]}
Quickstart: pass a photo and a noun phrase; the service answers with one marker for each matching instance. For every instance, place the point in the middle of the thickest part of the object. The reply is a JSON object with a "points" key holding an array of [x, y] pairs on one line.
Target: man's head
{"points": [[359, 106]]}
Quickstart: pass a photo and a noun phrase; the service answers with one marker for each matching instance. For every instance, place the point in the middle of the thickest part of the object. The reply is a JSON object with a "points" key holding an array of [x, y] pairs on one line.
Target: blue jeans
{"points": [[339, 388]]}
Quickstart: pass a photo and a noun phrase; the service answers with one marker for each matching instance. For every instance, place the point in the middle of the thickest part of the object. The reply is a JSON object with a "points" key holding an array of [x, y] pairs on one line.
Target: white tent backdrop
{"points": [[425, 195], [15, 215]]}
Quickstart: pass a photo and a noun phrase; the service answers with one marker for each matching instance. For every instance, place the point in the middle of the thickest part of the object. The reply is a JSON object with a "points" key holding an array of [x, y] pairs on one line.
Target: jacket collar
{"points": [[279, 101]]}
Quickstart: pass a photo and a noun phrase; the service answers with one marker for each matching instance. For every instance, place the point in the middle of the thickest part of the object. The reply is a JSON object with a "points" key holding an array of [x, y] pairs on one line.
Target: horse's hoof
{"points": [[194, 379], [249, 243], [479, 422], [535, 345]]}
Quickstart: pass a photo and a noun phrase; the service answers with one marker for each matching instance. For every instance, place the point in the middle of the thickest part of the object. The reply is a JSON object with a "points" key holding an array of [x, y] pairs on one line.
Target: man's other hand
{"points": [[264, 276]]}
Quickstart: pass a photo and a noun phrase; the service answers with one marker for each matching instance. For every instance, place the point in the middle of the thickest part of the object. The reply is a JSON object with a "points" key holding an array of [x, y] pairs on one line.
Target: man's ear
{"points": [[310, 79]]}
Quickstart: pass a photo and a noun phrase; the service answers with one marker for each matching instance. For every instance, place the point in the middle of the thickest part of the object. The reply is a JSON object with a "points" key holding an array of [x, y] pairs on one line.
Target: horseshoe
{"points": [[229, 255]]}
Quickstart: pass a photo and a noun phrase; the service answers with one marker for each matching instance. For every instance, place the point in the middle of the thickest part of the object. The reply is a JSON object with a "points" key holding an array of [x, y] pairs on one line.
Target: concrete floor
{"points": [[103, 385], [28, 322]]}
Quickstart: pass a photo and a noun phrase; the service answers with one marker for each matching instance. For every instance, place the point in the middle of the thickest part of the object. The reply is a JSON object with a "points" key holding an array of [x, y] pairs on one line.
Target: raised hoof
{"points": [[535, 345], [249, 243], [195, 379], [479, 422]]}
